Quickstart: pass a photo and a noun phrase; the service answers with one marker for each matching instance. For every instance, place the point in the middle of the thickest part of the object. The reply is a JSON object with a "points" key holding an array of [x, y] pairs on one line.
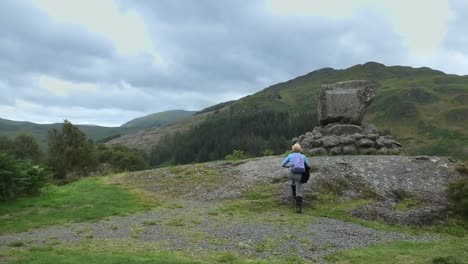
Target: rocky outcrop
{"points": [[347, 139], [345, 102], [341, 108], [386, 180]]}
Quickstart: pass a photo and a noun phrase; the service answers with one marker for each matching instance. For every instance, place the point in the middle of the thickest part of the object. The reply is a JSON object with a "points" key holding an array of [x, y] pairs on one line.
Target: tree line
{"points": [[256, 134], [24, 168]]}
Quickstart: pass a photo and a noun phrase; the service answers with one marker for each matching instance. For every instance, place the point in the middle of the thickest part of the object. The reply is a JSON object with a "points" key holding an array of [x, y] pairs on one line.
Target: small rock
{"points": [[369, 129], [364, 142], [346, 140], [330, 141], [349, 150], [372, 136], [367, 151], [336, 150], [318, 151]]}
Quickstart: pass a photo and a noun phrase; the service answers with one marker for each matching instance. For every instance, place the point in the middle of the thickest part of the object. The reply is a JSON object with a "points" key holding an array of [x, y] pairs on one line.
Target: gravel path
{"points": [[195, 228]]}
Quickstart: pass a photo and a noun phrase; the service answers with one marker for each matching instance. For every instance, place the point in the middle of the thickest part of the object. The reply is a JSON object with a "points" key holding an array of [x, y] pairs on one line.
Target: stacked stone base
{"points": [[347, 139]]}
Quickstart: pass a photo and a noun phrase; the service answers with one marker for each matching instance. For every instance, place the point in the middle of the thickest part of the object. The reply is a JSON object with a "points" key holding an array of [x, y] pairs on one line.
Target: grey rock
{"points": [[349, 150], [330, 141], [432, 214], [369, 129], [379, 143], [294, 140], [318, 151], [306, 142], [367, 151], [371, 136], [336, 150], [317, 130], [388, 142], [316, 143], [356, 136], [301, 138], [345, 102], [346, 140], [317, 136], [343, 129], [364, 142]]}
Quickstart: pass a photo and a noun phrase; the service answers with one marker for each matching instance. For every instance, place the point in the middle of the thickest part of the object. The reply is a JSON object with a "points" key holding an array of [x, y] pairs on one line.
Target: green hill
{"points": [[158, 119], [39, 131], [99, 134], [425, 109]]}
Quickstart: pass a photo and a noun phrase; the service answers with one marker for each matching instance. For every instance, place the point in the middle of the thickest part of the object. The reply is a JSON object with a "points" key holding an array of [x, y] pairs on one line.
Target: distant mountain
{"points": [[426, 109], [39, 131], [158, 119], [97, 133]]}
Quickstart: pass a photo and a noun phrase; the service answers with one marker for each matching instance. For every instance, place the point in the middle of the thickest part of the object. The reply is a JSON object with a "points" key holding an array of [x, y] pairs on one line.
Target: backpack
{"points": [[298, 163], [305, 175]]}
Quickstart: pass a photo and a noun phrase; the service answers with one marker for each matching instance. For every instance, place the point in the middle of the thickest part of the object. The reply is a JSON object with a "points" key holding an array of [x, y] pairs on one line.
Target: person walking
{"points": [[296, 162]]}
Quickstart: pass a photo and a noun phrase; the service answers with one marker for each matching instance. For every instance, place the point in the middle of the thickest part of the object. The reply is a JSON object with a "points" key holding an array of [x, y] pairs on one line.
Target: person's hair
{"points": [[296, 148]]}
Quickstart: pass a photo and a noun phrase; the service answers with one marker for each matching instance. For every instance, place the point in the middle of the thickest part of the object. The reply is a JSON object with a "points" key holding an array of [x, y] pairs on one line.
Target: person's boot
{"points": [[299, 204], [293, 189]]}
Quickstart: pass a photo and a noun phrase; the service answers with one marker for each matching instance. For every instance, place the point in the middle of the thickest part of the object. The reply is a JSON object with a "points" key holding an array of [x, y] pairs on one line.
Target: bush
{"points": [[236, 155], [267, 152], [19, 177], [122, 158], [458, 195]]}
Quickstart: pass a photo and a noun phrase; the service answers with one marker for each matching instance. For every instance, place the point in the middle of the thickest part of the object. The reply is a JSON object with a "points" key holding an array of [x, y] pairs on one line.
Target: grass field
{"points": [[84, 200]]}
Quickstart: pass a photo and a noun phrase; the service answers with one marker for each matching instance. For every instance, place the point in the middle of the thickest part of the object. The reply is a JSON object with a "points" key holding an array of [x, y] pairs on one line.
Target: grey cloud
{"points": [[31, 43], [456, 38], [216, 43], [211, 48]]}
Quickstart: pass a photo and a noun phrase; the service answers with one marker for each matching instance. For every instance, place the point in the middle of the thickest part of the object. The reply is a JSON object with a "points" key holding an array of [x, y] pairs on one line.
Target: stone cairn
{"points": [[341, 109]]}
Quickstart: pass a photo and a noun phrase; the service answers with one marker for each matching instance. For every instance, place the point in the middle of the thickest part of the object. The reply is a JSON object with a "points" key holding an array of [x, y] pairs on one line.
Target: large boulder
{"points": [[345, 102]]}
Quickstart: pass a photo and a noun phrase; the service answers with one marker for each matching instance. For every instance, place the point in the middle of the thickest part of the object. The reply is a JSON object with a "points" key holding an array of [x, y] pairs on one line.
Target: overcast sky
{"points": [[108, 61]]}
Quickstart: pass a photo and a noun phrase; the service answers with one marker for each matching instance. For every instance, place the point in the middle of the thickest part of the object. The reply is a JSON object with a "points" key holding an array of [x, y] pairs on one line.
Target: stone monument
{"points": [[341, 109]]}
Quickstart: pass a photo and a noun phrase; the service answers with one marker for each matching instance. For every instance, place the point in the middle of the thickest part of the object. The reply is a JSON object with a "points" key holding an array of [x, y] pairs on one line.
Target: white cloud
{"points": [[64, 88], [125, 28], [43, 114], [423, 24]]}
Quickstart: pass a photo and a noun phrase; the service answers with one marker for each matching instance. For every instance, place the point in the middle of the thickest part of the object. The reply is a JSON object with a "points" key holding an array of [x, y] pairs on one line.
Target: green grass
{"points": [[126, 251], [452, 251], [85, 200], [45, 256]]}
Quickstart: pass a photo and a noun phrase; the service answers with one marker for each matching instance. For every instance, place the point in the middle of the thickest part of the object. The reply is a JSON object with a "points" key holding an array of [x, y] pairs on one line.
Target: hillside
{"points": [[96, 133], [39, 131], [241, 212], [158, 119], [425, 109], [147, 138]]}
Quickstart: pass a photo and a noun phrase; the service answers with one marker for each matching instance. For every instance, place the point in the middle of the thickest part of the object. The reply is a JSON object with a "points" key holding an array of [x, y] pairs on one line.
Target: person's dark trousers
{"points": [[293, 189], [299, 204]]}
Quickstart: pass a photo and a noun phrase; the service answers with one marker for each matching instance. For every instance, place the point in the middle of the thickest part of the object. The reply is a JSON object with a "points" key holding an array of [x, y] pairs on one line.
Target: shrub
{"points": [[122, 158], [458, 195], [236, 155], [19, 177], [267, 152], [26, 147]]}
